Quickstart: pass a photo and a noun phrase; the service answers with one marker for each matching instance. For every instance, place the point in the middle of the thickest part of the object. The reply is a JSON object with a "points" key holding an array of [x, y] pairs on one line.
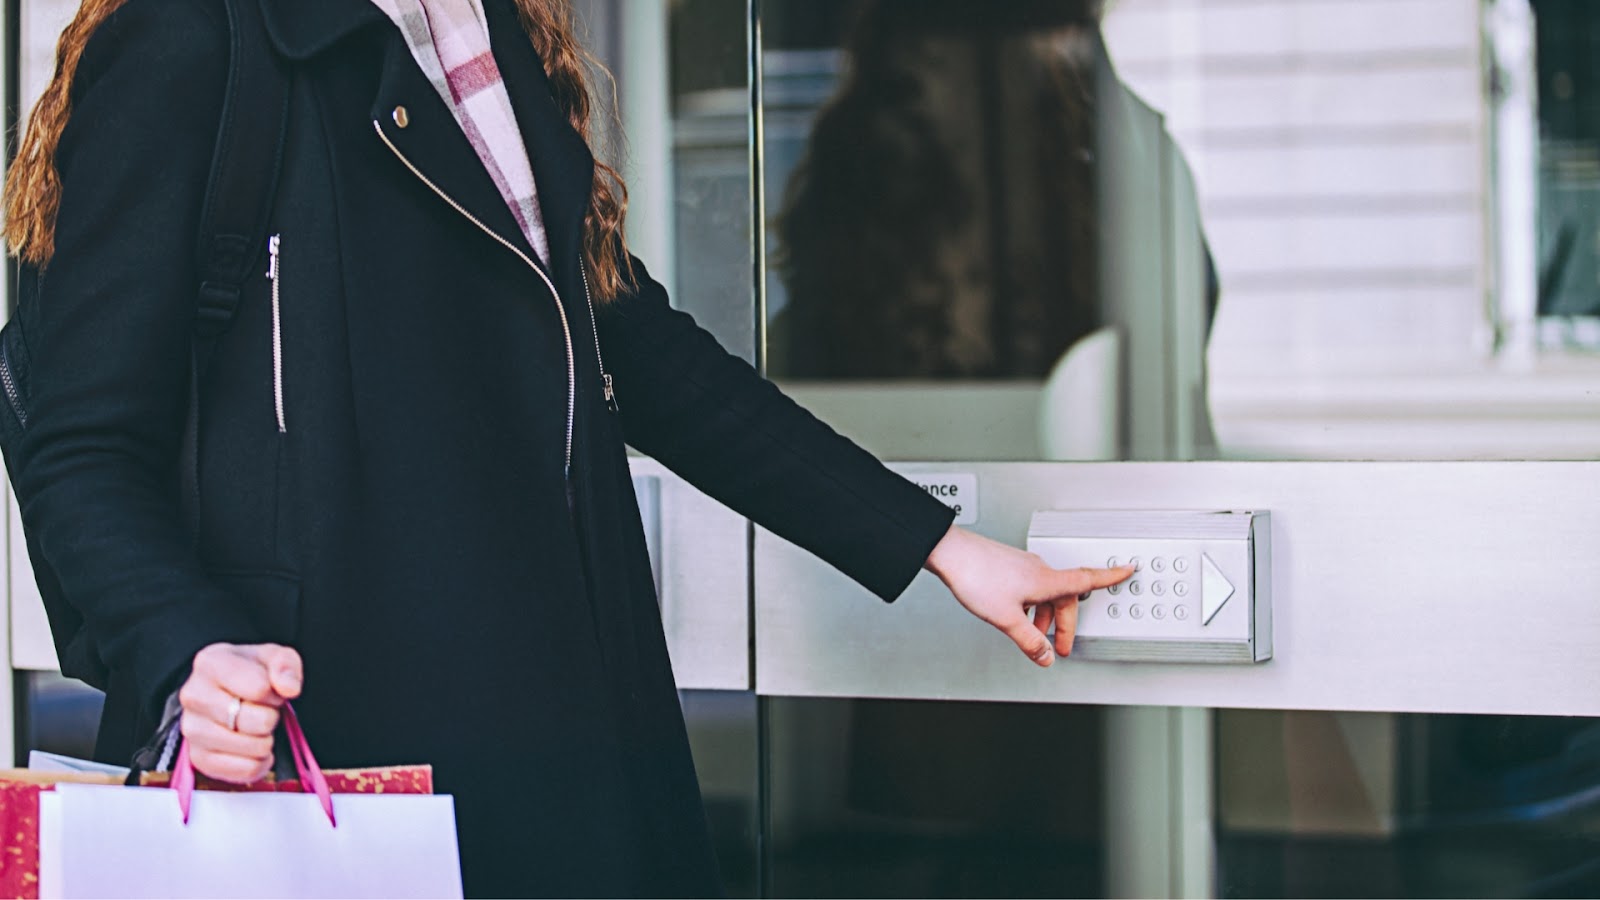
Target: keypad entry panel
{"points": [[1200, 594]]}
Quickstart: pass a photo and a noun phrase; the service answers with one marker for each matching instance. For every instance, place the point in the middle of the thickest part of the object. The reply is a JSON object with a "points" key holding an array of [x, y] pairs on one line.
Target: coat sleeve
{"points": [[110, 339], [709, 417]]}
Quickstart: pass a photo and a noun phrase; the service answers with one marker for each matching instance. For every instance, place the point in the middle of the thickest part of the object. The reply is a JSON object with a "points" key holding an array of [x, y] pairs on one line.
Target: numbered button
{"points": [[1180, 565], [1136, 588], [1180, 613], [1158, 612], [1158, 565], [1159, 588], [1181, 589], [1114, 611], [1137, 563], [1115, 589], [1136, 611], [1113, 563]]}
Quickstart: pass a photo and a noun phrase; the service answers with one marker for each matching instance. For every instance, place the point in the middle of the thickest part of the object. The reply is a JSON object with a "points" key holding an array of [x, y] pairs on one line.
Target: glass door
{"points": [[1190, 255], [1327, 258]]}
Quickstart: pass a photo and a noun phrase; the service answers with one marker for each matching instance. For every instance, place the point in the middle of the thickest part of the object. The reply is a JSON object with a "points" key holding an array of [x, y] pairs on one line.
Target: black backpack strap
{"points": [[244, 169], [238, 202]]}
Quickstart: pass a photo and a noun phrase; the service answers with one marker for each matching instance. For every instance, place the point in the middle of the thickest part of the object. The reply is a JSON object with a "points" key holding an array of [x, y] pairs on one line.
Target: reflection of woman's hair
{"points": [[942, 222]]}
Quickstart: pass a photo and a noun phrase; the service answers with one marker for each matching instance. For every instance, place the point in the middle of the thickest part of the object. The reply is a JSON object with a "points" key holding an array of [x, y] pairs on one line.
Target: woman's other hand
{"points": [[228, 741], [1016, 591]]}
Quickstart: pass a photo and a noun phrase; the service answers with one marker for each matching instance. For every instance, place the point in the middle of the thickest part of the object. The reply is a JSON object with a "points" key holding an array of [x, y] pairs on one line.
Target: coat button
{"points": [[401, 116]]}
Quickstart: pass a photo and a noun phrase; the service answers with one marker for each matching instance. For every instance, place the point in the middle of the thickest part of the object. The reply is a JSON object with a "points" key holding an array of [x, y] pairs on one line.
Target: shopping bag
{"points": [[19, 826], [97, 840], [20, 789]]}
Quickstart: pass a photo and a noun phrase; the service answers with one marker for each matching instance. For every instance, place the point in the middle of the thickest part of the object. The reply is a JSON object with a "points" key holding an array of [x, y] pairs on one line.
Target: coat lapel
{"points": [[431, 142]]}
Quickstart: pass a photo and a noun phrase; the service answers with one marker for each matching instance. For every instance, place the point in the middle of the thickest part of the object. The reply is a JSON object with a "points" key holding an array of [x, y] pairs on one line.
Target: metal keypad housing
{"points": [[1200, 594]]}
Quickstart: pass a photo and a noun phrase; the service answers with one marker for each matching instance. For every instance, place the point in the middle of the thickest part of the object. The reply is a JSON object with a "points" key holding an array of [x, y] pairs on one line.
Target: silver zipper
{"points": [[566, 330], [277, 333], [9, 381], [594, 329]]}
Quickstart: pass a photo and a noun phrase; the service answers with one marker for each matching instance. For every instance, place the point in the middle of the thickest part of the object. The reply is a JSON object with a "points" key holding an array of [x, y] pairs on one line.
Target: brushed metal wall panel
{"points": [[701, 561], [1425, 587]]}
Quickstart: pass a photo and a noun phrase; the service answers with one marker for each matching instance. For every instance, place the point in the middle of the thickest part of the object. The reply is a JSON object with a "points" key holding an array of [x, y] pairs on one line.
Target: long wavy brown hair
{"points": [[33, 186]]}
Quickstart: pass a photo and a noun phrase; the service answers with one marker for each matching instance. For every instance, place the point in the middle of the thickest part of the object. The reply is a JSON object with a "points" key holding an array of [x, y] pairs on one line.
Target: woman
{"points": [[413, 463]]}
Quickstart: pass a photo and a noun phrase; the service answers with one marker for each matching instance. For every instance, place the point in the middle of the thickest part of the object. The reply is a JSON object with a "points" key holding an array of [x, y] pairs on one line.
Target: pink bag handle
{"points": [[311, 778]]}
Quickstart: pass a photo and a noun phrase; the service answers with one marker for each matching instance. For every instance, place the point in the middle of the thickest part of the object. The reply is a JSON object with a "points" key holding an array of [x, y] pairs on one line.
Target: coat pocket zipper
{"points": [[8, 380], [273, 275]]}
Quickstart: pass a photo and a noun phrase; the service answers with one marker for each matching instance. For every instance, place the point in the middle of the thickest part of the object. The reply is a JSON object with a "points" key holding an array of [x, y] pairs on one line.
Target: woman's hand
{"points": [[260, 677], [1016, 591]]}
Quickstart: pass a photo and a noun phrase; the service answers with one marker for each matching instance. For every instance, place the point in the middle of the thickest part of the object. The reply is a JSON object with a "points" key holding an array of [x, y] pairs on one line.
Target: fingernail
{"points": [[1045, 654]]}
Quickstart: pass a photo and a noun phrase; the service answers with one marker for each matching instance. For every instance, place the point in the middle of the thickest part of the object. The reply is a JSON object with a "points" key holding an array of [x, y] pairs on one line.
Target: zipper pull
{"points": [[611, 395], [272, 252]]}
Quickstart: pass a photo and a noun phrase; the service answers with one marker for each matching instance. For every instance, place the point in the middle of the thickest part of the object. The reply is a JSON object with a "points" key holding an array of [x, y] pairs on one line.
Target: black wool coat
{"points": [[458, 599]]}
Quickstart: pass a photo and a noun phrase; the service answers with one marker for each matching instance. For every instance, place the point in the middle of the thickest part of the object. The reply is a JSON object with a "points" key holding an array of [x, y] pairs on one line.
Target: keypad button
{"points": [[1114, 611], [1181, 589], [1158, 612], [1180, 613], [1159, 588], [1113, 562], [1136, 611], [1115, 589], [1180, 565], [1136, 588], [1137, 563], [1158, 565]]}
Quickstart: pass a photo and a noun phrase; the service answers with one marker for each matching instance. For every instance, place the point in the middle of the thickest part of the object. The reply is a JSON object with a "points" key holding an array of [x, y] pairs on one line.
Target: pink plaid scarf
{"points": [[450, 40]]}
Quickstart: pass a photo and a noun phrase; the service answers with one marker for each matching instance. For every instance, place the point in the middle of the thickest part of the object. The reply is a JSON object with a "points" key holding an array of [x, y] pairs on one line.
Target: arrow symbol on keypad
{"points": [[1214, 589]]}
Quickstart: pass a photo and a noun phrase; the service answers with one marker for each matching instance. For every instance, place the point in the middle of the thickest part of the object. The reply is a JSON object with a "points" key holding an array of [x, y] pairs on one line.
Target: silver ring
{"points": [[234, 706]]}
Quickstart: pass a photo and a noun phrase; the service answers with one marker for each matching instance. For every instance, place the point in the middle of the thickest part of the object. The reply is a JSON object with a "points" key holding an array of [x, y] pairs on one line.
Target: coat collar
{"points": [[563, 168], [301, 29]]}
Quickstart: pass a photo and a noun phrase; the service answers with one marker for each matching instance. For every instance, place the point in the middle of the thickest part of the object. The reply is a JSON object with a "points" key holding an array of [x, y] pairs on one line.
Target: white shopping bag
{"points": [[40, 761], [104, 841]]}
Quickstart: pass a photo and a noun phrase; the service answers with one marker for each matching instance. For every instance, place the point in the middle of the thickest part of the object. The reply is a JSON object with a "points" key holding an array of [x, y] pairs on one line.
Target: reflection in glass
{"points": [[882, 798], [711, 168], [1314, 804], [1568, 38], [942, 222], [722, 728], [55, 715], [969, 192]]}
